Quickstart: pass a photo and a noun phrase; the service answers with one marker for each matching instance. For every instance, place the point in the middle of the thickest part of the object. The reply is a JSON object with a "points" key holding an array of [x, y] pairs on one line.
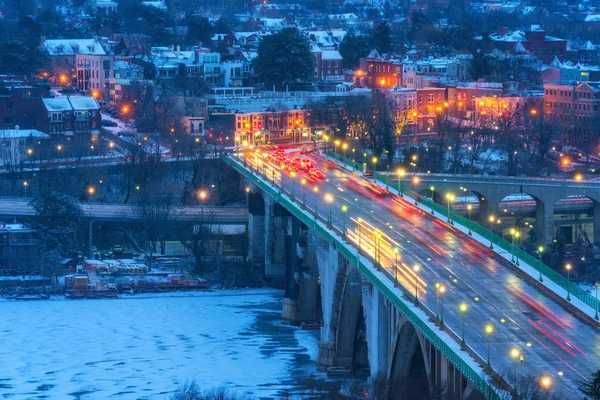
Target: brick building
{"points": [[534, 40], [575, 108], [377, 72], [19, 250], [19, 103], [68, 117], [271, 127]]}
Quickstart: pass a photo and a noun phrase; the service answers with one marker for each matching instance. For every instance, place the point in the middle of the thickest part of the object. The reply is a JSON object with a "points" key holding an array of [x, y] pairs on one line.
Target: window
{"points": [[9, 105], [56, 117], [106, 65], [430, 98], [8, 120], [106, 74]]}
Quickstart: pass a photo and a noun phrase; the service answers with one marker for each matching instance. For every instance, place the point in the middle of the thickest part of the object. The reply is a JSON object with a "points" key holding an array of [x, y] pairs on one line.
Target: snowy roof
{"points": [[537, 28], [519, 48], [59, 47], [331, 55], [592, 18], [21, 133], [156, 4], [57, 104], [588, 46], [373, 54], [13, 227], [84, 103], [315, 49], [343, 16]]}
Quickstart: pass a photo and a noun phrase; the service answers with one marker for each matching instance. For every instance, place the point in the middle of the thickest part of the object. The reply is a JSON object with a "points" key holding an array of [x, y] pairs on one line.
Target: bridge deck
{"points": [[551, 339]]}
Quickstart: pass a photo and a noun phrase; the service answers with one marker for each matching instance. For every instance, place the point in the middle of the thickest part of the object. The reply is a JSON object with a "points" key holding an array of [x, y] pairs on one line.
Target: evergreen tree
{"points": [[382, 39], [199, 30], [284, 58], [353, 47], [480, 65], [591, 387]]}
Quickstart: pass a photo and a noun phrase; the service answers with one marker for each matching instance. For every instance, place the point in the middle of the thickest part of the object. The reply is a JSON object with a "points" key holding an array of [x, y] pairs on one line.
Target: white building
{"points": [[15, 142], [93, 73]]}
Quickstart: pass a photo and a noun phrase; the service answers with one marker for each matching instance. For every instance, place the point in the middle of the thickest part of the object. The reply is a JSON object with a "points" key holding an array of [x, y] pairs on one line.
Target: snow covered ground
{"points": [[143, 348]]}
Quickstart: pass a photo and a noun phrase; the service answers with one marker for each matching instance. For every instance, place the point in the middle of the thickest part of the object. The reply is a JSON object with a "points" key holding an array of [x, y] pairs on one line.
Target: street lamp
{"points": [[374, 161], [396, 255], [329, 200], [568, 267], [432, 188], [489, 329], [25, 184], [491, 219], [353, 158], [469, 208], [293, 175], [91, 190], [316, 190], [517, 235], [540, 251], [512, 253], [546, 382], [442, 290], [463, 310], [336, 143], [416, 186], [303, 182], [401, 173], [514, 353], [450, 197], [345, 147], [344, 210], [416, 270], [202, 195], [596, 305]]}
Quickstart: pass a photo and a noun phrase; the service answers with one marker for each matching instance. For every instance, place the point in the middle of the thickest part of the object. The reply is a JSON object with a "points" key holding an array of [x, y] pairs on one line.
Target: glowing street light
{"points": [[329, 200], [442, 290], [29, 151], [515, 353], [416, 181], [344, 210], [345, 147], [568, 267], [25, 185], [463, 310], [578, 177], [303, 182], [489, 329], [374, 161], [401, 174], [125, 109], [432, 188], [546, 382], [491, 219], [540, 251], [450, 197], [292, 176], [469, 208], [416, 269]]}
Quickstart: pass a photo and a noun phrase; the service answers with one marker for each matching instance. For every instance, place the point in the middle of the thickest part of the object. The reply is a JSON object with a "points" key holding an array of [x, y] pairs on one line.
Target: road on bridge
{"points": [[551, 340]]}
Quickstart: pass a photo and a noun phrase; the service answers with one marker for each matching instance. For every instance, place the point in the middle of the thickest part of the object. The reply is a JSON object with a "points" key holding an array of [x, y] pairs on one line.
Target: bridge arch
{"points": [[532, 216], [409, 374]]}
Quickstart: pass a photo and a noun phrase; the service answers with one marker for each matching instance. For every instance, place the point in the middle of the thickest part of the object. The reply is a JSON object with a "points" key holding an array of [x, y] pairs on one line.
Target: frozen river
{"points": [[143, 348]]}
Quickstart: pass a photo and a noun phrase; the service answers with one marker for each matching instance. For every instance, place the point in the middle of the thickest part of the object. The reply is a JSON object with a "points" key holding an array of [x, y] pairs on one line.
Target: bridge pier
{"points": [[256, 229], [544, 221]]}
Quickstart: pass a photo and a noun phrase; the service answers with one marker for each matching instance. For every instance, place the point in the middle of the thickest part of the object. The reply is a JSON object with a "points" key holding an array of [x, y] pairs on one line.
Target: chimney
{"points": [[196, 56], [178, 50]]}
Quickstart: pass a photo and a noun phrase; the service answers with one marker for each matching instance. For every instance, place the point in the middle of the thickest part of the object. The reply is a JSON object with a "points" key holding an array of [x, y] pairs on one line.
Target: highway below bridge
{"points": [[210, 215], [439, 307]]}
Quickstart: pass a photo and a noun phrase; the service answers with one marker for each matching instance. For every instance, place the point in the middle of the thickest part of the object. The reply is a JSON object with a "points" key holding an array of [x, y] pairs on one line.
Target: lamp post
{"points": [[303, 182], [325, 139], [437, 300], [491, 219], [353, 157], [344, 209], [25, 184], [489, 329], [521, 359], [387, 176], [401, 173], [329, 200], [345, 147], [316, 190], [596, 305], [568, 267], [469, 208], [432, 188], [416, 270], [442, 291], [292, 178], [396, 255], [336, 143], [374, 161], [416, 187], [540, 251], [517, 235], [202, 196], [512, 248], [463, 310], [377, 244], [514, 353], [450, 197]]}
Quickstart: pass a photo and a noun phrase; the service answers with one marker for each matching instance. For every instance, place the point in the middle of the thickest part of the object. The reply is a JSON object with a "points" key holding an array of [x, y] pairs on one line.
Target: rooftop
{"points": [[59, 47]]}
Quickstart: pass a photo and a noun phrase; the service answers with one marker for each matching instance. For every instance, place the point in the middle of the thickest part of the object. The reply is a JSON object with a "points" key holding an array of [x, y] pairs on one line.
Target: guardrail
{"points": [[498, 241], [334, 235]]}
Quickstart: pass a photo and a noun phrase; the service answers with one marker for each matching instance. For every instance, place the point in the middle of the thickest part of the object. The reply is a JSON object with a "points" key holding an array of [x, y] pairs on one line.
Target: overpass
{"points": [[213, 215], [410, 297], [491, 191]]}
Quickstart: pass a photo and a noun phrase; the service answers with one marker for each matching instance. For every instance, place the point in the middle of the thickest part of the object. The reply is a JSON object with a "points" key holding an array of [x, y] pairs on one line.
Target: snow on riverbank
{"points": [[143, 348]]}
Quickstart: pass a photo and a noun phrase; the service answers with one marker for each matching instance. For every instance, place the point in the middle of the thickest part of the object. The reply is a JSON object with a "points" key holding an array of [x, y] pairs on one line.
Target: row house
{"points": [[69, 117], [575, 108], [377, 72], [19, 103], [328, 64], [271, 126], [19, 250]]}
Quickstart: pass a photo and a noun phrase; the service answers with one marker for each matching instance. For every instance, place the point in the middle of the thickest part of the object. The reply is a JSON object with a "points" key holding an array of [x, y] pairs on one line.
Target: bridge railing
{"points": [[333, 235], [498, 241]]}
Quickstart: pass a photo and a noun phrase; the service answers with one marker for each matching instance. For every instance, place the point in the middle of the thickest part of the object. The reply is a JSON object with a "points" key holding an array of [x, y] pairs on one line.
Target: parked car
{"points": [[107, 122], [117, 249]]}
